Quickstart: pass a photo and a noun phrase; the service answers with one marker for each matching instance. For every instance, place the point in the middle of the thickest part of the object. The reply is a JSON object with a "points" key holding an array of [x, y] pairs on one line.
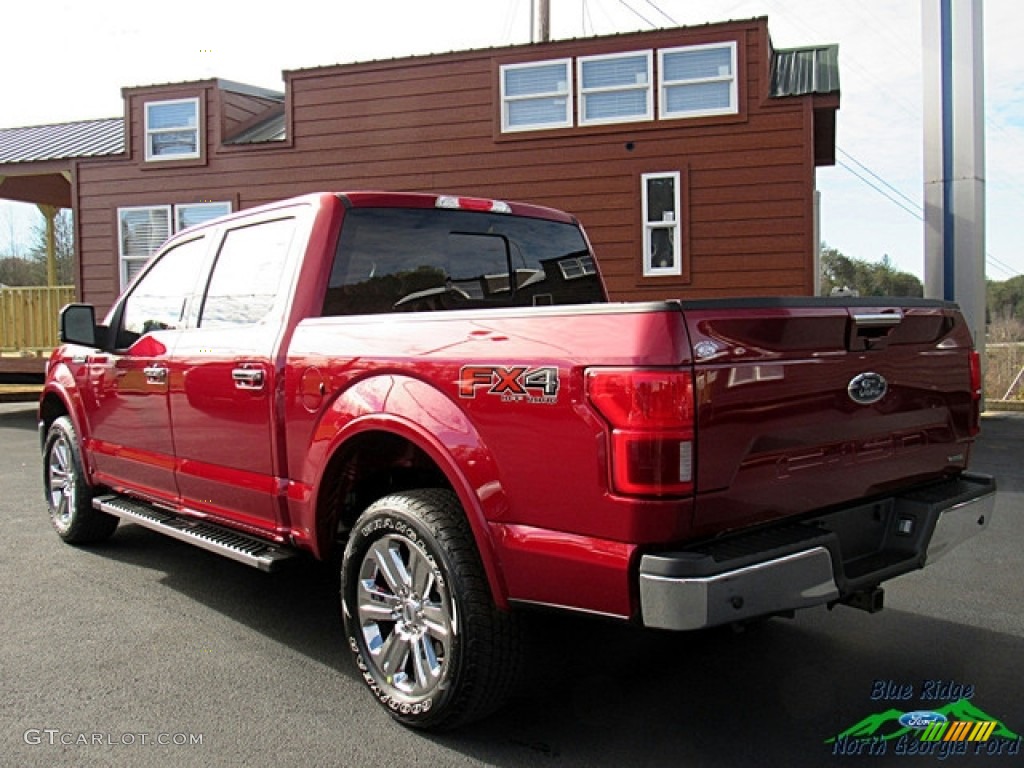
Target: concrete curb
{"points": [[1004, 405], [16, 393]]}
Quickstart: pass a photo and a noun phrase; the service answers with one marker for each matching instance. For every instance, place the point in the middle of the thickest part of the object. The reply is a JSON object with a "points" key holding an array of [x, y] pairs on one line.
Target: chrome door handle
{"points": [[155, 374], [247, 378]]}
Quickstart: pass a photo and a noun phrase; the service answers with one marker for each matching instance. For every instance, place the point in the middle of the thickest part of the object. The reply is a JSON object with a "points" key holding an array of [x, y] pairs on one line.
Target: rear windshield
{"points": [[416, 260]]}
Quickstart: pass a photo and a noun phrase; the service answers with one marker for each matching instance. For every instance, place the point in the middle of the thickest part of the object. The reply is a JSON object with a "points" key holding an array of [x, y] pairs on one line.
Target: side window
{"points": [[157, 303], [172, 129], [661, 212], [248, 276], [698, 80], [615, 88], [536, 95], [141, 232]]}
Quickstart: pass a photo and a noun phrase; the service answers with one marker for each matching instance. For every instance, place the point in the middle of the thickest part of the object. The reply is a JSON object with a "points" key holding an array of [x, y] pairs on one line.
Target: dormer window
{"points": [[172, 129]]}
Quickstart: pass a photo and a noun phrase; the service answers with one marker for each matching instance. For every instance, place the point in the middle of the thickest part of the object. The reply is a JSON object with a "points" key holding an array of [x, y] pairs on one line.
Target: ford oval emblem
{"points": [[867, 388], [921, 719]]}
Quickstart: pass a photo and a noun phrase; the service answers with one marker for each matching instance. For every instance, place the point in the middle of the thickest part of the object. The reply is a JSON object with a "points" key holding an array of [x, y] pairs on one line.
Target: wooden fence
{"points": [[1004, 372], [28, 318]]}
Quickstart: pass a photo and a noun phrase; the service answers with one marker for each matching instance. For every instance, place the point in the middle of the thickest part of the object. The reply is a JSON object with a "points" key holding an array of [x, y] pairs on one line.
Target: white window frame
{"points": [[123, 259], [565, 92], [665, 85], [674, 226], [151, 132], [577, 267], [173, 227], [223, 209], [647, 86]]}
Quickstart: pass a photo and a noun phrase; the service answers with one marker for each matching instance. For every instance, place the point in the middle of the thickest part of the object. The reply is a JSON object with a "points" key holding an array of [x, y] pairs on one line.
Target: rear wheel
{"points": [[426, 635], [68, 495]]}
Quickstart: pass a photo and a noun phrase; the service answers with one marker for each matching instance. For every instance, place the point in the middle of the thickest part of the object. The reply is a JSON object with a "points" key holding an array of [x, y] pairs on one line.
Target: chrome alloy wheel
{"points": [[61, 485], [406, 616]]}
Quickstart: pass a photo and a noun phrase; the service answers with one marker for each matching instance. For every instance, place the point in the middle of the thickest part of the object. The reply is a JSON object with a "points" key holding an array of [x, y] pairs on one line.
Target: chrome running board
{"points": [[238, 546]]}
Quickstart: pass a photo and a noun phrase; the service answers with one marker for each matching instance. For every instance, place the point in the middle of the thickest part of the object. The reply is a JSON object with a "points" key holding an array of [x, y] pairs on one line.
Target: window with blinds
{"points": [[143, 229], [172, 129], [698, 80], [140, 232], [616, 88], [536, 96], [692, 81]]}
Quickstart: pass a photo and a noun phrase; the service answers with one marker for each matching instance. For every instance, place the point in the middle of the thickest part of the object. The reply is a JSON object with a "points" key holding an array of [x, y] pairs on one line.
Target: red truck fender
{"points": [[431, 422], [61, 396]]}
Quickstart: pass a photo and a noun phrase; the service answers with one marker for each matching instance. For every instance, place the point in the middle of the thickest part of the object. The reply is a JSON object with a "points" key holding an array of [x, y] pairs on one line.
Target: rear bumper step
{"points": [[215, 538], [833, 557]]}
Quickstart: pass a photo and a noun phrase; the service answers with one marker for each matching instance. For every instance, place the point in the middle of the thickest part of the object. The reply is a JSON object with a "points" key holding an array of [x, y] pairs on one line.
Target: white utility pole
{"points": [[540, 21], [954, 157]]}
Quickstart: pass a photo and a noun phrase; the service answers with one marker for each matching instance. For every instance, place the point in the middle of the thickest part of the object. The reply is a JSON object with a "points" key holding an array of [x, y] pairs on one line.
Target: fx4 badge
{"points": [[517, 383]]}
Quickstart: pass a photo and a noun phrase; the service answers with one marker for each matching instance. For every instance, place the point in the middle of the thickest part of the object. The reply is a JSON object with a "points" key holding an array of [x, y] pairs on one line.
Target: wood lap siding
{"points": [[433, 124]]}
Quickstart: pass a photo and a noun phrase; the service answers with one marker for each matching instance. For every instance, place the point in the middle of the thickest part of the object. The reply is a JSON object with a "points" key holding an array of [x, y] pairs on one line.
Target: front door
{"points": [[126, 399]]}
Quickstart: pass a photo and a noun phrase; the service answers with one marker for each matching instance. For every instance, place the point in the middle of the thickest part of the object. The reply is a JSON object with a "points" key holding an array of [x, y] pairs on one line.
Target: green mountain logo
{"points": [[885, 726]]}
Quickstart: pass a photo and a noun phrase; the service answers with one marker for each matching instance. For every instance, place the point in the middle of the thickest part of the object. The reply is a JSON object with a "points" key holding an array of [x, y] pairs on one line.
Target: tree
{"points": [[64, 247], [868, 279], [15, 271], [1006, 299]]}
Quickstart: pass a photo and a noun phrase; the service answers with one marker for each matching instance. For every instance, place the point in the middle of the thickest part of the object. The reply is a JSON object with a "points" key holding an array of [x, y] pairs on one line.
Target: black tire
{"points": [[426, 636], [68, 495]]}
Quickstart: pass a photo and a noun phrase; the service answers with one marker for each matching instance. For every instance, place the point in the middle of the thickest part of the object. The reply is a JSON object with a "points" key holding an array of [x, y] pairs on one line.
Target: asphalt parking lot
{"points": [[148, 652]]}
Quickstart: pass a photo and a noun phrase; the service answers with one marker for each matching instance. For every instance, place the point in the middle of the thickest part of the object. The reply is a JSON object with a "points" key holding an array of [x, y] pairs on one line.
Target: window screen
{"points": [[698, 80], [172, 129], [536, 96], [615, 88]]}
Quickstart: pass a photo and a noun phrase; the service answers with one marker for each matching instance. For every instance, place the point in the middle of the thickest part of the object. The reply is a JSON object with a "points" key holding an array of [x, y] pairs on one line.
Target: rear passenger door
{"points": [[222, 400]]}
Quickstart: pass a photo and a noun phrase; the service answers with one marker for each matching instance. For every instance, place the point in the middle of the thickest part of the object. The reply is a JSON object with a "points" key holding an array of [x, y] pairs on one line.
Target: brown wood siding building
{"points": [[434, 123]]}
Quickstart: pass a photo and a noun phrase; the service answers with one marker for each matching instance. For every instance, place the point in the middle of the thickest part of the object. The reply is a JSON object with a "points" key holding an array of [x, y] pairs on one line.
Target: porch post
{"points": [[50, 214]]}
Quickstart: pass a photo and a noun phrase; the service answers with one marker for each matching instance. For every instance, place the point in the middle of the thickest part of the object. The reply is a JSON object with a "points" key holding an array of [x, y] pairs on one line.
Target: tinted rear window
{"points": [[415, 260]]}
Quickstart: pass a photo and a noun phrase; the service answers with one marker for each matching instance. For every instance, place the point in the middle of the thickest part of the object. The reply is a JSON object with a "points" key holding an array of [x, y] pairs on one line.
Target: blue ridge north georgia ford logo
{"points": [[867, 388]]}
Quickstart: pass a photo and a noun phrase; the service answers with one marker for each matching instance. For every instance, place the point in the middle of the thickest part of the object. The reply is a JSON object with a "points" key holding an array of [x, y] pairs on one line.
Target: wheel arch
{"points": [[415, 438], [61, 397]]}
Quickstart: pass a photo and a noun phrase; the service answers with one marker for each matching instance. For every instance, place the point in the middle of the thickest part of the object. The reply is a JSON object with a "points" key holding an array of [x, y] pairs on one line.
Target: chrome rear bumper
{"points": [[801, 565]]}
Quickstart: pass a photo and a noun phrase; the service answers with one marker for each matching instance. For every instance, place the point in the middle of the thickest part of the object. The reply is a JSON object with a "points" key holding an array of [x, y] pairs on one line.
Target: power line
{"points": [[990, 260], [659, 10], [916, 214], [874, 175], [637, 13]]}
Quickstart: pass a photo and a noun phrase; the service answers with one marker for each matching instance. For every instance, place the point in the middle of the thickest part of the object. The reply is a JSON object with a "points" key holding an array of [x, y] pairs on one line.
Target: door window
{"points": [[248, 278], [158, 301]]}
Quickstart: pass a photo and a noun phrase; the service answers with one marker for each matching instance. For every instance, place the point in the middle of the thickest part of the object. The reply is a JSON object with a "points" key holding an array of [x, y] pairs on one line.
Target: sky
{"points": [[70, 60]]}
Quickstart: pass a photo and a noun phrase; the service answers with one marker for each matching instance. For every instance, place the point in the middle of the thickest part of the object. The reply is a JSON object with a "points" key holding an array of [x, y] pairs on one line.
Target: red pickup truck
{"points": [[436, 391]]}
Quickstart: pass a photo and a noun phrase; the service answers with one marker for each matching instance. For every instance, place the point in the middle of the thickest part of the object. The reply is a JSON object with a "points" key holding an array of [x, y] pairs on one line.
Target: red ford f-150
{"points": [[436, 391]]}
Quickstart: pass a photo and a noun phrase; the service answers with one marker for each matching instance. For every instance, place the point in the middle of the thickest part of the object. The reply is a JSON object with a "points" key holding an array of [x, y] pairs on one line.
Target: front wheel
{"points": [[68, 495], [426, 635]]}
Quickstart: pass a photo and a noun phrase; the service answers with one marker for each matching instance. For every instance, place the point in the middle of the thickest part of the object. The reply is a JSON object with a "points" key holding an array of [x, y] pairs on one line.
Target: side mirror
{"points": [[78, 325]]}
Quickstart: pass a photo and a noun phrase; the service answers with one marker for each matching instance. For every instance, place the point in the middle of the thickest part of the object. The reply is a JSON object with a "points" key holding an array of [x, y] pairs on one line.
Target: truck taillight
{"points": [[472, 204], [651, 414], [976, 385], [975, 374]]}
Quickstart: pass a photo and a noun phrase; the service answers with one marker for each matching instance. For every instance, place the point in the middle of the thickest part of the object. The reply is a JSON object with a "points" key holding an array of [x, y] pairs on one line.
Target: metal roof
{"points": [[273, 128], [63, 141], [798, 71]]}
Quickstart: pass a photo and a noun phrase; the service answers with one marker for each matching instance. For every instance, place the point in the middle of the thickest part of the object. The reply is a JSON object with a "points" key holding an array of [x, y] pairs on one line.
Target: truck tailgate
{"points": [[804, 404]]}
